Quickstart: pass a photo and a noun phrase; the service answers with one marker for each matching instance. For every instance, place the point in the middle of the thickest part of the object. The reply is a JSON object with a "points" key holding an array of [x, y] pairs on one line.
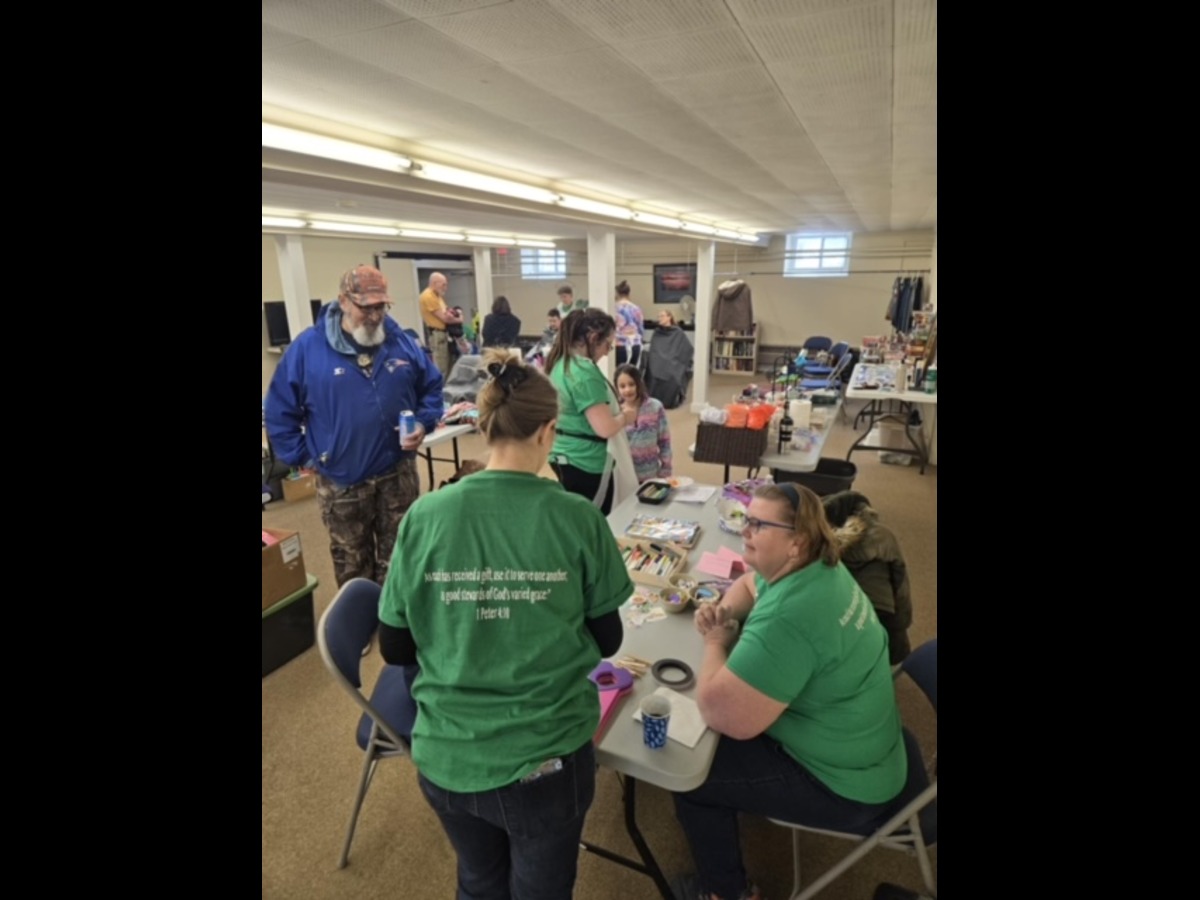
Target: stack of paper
{"points": [[725, 563], [695, 493]]}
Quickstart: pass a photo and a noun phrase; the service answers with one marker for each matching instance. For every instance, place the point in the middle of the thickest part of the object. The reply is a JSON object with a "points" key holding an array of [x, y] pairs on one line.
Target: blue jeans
{"points": [[521, 841], [757, 776]]}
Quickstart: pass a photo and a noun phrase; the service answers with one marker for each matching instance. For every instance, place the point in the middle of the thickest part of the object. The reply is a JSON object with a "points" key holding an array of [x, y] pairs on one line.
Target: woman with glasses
{"points": [[590, 451], [796, 679]]}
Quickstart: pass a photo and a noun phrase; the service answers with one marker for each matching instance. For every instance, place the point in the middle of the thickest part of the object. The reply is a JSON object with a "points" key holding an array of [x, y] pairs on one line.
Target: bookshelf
{"points": [[735, 351]]}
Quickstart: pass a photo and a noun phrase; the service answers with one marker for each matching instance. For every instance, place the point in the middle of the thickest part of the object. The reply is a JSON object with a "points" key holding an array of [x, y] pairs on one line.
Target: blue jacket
{"points": [[349, 420]]}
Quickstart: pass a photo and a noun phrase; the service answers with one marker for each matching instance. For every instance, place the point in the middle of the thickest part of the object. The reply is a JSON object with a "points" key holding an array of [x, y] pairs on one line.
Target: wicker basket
{"points": [[730, 446]]}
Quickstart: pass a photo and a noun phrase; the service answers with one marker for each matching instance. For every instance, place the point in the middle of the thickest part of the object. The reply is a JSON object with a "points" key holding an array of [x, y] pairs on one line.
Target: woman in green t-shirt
{"points": [[796, 678], [589, 411], [505, 589]]}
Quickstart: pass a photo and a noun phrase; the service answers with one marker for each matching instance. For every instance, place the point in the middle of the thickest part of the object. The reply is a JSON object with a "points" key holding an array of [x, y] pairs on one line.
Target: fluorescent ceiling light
{"points": [[489, 239], [594, 206], [431, 235], [282, 222], [698, 228], [475, 181], [748, 236], [352, 227], [331, 148], [547, 245], [653, 219], [726, 233]]}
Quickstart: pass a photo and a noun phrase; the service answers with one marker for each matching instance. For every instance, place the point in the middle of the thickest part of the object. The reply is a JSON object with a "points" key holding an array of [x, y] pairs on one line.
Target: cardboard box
{"points": [[676, 560], [282, 565], [300, 488], [288, 627]]}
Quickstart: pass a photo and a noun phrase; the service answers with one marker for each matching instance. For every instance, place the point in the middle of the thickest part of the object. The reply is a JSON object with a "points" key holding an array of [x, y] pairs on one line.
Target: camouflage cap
{"points": [[365, 284]]}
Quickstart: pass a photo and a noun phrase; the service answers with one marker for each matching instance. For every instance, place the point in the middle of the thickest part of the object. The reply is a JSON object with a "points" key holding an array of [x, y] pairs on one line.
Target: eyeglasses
{"points": [[754, 526], [372, 308]]}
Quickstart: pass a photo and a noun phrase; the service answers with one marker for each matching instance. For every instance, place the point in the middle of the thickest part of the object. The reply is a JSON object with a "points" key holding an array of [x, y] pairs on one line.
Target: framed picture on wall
{"points": [[674, 281]]}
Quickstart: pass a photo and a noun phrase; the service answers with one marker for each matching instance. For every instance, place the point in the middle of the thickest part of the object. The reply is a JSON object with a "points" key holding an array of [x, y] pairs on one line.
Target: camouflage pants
{"points": [[362, 520]]}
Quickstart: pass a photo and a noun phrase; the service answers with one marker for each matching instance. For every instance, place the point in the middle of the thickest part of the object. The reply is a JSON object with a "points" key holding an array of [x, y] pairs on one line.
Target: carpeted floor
{"points": [[311, 764]]}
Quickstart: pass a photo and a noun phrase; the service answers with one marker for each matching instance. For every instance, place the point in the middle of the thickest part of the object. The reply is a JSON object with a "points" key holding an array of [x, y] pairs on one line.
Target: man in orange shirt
{"points": [[437, 316]]}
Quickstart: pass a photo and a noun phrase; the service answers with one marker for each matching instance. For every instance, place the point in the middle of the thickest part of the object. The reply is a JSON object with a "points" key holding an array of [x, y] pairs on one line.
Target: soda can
{"points": [[408, 424]]}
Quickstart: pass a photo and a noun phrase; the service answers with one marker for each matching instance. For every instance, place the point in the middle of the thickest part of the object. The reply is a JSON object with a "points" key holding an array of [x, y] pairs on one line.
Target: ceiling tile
{"points": [[320, 18]]}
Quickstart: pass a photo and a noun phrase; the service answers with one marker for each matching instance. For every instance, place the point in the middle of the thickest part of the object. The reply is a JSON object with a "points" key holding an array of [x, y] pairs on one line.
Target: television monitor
{"points": [[278, 333], [674, 281]]}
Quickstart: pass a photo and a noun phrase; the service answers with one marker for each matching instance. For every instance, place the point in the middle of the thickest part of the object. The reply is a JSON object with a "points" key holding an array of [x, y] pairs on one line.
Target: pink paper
{"points": [[721, 565], [608, 705]]}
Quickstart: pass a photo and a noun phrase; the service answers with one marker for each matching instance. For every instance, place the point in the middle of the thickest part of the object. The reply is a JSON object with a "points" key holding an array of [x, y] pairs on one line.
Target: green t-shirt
{"points": [[813, 641], [494, 577], [582, 387]]}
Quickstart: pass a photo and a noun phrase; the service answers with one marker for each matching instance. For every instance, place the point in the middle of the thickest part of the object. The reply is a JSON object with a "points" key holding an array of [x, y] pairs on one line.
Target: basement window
{"points": [[543, 263], [817, 254]]}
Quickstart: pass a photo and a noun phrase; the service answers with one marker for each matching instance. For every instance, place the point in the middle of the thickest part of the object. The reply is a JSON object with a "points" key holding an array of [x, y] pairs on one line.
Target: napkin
{"points": [[695, 493], [686, 725]]}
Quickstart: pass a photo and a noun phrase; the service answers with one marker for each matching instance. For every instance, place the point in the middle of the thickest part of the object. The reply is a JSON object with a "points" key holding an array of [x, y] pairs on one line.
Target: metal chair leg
{"points": [[368, 772]]}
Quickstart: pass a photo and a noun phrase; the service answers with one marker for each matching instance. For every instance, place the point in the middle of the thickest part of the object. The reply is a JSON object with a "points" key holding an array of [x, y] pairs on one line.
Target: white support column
{"points": [[289, 250], [706, 263], [602, 278], [483, 285]]}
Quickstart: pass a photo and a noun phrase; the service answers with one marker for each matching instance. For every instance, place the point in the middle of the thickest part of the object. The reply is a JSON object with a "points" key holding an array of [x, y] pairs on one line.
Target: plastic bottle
{"points": [[931, 379], [785, 433]]}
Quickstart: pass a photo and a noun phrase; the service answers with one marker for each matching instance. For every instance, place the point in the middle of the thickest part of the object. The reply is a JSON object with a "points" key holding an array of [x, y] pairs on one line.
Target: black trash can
{"points": [[830, 476]]}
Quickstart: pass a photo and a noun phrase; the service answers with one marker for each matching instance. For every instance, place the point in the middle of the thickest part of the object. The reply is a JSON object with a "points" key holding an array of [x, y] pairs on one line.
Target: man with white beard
{"points": [[334, 405]]}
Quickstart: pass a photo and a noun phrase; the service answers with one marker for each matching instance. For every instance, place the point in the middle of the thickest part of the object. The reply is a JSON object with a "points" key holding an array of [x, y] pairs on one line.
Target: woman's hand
{"points": [[717, 625], [706, 616]]}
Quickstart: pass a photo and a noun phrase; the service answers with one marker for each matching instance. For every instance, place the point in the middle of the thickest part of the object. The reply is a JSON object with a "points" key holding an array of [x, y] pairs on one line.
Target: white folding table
{"points": [[675, 767], [446, 433], [895, 407]]}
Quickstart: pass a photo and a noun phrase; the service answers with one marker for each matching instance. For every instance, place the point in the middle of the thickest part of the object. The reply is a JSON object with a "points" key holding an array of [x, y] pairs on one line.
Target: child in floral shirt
{"points": [[650, 436]]}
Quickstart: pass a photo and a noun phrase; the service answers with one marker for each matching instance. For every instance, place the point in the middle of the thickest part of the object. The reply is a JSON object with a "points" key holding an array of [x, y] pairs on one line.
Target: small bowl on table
{"points": [[680, 593]]}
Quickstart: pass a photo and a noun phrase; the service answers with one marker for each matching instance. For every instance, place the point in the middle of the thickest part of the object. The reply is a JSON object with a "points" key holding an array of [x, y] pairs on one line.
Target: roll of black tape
{"points": [[680, 684]]}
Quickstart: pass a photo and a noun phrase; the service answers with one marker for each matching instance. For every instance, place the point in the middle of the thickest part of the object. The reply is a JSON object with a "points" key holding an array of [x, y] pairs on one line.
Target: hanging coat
{"points": [[734, 309]]}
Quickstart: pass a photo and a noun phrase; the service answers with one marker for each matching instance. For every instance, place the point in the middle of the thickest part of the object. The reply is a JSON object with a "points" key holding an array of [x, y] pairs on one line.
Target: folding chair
{"points": [[832, 380], [387, 717], [817, 343], [836, 352], [913, 829]]}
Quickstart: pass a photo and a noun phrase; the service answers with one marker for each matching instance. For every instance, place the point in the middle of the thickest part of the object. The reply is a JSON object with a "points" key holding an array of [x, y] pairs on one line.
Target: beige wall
{"points": [[531, 298], [787, 309], [790, 309]]}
